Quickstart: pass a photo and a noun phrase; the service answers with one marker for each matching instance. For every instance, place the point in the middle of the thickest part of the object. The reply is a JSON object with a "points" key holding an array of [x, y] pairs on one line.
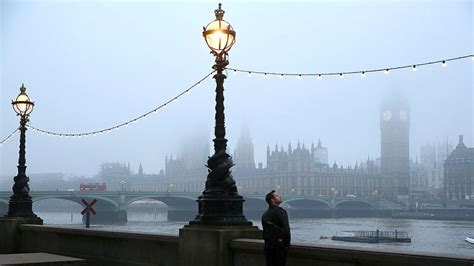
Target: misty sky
{"points": [[94, 64]]}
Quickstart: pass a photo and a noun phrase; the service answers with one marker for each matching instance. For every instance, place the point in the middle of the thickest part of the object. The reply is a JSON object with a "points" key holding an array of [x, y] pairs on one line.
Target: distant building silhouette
{"points": [[293, 171], [140, 170], [428, 156], [112, 173], [459, 173], [244, 151], [395, 148], [320, 153], [296, 171], [187, 172], [419, 177], [432, 158]]}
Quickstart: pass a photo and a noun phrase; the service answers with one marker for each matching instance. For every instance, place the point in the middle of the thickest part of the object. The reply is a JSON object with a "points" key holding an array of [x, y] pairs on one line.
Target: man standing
{"points": [[276, 231]]}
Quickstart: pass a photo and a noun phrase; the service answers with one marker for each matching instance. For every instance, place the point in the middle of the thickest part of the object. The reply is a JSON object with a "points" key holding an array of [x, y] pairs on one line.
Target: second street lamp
{"points": [[20, 204], [220, 203]]}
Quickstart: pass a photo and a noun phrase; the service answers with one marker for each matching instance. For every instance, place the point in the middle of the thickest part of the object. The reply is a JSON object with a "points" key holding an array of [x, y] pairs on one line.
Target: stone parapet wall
{"points": [[100, 247], [249, 252]]}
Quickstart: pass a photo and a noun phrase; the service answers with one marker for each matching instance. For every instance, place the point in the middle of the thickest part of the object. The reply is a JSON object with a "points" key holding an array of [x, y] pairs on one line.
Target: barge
{"points": [[373, 236]]}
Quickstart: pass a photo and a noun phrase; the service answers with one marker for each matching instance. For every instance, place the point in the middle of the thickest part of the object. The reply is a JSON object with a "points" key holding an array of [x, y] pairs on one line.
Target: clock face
{"points": [[387, 115], [403, 115]]}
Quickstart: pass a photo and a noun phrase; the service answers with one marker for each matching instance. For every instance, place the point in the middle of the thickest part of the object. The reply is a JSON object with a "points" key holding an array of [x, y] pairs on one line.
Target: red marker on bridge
{"points": [[87, 210]]}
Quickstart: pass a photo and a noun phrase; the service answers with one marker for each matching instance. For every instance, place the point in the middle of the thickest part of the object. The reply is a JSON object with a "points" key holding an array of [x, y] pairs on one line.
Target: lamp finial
{"points": [[219, 12]]}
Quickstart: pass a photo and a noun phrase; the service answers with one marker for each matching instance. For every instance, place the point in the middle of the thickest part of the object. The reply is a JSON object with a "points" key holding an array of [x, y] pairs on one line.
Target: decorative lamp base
{"points": [[220, 210], [21, 206]]}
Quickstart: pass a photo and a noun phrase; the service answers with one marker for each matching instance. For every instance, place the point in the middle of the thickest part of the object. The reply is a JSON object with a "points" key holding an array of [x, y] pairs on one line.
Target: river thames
{"points": [[428, 236]]}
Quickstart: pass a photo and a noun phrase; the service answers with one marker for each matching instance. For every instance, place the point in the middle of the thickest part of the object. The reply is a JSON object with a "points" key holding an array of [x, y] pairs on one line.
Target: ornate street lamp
{"points": [[220, 204], [20, 204], [122, 183]]}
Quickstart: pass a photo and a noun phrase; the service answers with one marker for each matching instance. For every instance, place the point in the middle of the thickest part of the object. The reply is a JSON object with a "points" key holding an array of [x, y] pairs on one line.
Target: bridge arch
{"points": [[254, 206], [76, 199], [354, 204], [254, 203], [308, 203], [171, 201]]}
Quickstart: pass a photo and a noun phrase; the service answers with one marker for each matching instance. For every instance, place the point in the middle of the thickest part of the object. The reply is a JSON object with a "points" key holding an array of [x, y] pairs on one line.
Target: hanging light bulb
{"points": [[413, 68], [299, 76], [341, 75], [362, 74], [385, 71], [281, 76], [250, 74], [235, 72], [444, 63], [319, 76], [264, 75]]}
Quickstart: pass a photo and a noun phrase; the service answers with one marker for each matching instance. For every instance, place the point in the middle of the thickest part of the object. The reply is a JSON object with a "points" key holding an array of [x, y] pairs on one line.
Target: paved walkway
{"points": [[39, 259]]}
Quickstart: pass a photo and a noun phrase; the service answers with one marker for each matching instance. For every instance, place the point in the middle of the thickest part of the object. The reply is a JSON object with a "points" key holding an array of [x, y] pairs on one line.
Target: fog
{"points": [[90, 65]]}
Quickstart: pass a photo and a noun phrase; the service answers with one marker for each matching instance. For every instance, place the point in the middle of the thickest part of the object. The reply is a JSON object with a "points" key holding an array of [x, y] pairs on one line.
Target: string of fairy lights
{"points": [[318, 75], [9, 136], [124, 124], [342, 74]]}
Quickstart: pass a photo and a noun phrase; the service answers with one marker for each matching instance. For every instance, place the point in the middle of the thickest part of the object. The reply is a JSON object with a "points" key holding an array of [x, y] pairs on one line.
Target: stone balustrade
{"points": [[101, 247]]}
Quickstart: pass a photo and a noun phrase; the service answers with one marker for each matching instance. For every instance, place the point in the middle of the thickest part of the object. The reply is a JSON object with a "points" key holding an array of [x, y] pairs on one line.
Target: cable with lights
{"points": [[125, 124], [363, 73], [9, 136]]}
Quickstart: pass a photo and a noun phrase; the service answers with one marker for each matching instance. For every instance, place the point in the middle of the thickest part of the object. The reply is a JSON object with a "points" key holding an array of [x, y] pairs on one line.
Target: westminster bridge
{"points": [[112, 206]]}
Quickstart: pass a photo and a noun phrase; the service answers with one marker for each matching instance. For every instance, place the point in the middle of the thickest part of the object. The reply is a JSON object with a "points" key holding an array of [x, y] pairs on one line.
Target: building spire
{"points": [[140, 169]]}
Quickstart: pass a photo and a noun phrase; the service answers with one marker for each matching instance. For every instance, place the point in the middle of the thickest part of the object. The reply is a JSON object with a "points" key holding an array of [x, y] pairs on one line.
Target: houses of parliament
{"points": [[301, 170]]}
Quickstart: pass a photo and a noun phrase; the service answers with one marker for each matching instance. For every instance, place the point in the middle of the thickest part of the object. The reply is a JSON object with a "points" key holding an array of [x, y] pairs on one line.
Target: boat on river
{"points": [[373, 236], [470, 240]]}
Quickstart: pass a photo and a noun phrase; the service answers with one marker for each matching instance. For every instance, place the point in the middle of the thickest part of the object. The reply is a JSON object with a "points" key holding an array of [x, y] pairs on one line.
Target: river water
{"points": [[426, 235]]}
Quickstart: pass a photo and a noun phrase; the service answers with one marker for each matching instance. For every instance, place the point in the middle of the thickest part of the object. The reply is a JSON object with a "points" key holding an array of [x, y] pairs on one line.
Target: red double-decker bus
{"points": [[93, 187]]}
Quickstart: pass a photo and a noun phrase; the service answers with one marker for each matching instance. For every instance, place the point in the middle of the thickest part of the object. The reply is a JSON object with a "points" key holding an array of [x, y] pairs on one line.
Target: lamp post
{"points": [[122, 184], [20, 204], [220, 203], [374, 194]]}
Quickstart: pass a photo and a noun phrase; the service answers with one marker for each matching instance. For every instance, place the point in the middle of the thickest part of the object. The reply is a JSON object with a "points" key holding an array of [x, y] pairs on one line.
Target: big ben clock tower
{"points": [[395, 148]]}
